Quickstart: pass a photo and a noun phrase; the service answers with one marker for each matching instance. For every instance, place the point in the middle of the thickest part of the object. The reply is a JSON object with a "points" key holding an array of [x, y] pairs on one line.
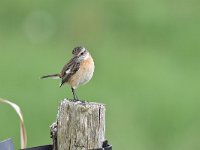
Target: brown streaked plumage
{"points": [[78, 71]]}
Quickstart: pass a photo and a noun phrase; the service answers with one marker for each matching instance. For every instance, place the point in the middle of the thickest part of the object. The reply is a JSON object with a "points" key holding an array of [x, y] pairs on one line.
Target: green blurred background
{"points": [[147, 68]]}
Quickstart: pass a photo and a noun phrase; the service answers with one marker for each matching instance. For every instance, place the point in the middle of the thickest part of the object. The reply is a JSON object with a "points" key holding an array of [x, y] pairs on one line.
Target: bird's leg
{"points": [[74, 94]]}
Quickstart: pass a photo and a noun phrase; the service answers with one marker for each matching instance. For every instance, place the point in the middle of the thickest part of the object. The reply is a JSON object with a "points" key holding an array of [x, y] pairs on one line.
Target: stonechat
{"points": [[78, 71]]}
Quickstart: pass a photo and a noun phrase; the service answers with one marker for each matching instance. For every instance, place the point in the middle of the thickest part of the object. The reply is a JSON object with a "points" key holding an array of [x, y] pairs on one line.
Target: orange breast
{"points": [[84, 74]]}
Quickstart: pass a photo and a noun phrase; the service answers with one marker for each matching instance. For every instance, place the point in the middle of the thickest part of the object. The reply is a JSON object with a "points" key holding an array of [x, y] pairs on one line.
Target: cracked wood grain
{"points": [[80, 126]]}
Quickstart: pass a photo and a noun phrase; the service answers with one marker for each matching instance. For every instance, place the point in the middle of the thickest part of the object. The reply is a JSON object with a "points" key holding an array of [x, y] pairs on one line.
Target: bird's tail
{"points": [[54, 76]]}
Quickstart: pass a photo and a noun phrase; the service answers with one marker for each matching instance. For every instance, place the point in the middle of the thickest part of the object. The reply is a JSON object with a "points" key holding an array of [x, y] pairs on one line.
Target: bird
{"points": [[77, 71]]}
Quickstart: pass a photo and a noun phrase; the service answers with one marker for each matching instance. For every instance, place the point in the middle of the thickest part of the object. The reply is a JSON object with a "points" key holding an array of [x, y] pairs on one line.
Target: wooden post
{"points": [[79, 126]]}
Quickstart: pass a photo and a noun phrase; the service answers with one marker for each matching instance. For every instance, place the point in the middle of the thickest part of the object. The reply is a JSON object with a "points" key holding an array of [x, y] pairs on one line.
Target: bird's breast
{"points": [[84, 74]]}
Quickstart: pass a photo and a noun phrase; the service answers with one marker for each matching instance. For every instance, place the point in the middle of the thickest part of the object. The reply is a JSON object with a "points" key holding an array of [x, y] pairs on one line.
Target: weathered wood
{"points": [[79, 126]]}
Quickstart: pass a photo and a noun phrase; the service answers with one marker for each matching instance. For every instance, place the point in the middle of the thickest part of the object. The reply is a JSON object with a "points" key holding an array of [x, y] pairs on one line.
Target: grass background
{"points": [[147, 68]]}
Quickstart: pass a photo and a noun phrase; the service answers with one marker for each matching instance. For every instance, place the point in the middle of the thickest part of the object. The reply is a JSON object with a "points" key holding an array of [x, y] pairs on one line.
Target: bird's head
{"points": [[80, 52]]}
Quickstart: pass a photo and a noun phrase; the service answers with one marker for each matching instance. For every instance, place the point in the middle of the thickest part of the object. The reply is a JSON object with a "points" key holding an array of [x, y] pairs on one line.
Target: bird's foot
{"points": [[74, 100], [78, 100]]}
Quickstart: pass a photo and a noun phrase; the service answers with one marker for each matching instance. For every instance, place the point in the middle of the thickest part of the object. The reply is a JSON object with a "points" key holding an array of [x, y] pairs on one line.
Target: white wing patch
{"points": [[67, 71]]}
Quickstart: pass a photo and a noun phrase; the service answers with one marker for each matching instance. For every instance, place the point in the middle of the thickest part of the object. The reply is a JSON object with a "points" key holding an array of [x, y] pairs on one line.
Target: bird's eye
{"points": [[82, 53]]}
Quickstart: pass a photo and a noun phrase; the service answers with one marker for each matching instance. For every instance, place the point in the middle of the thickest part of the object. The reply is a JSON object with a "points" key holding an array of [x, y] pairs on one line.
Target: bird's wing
{"points": [[69, 69]]}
